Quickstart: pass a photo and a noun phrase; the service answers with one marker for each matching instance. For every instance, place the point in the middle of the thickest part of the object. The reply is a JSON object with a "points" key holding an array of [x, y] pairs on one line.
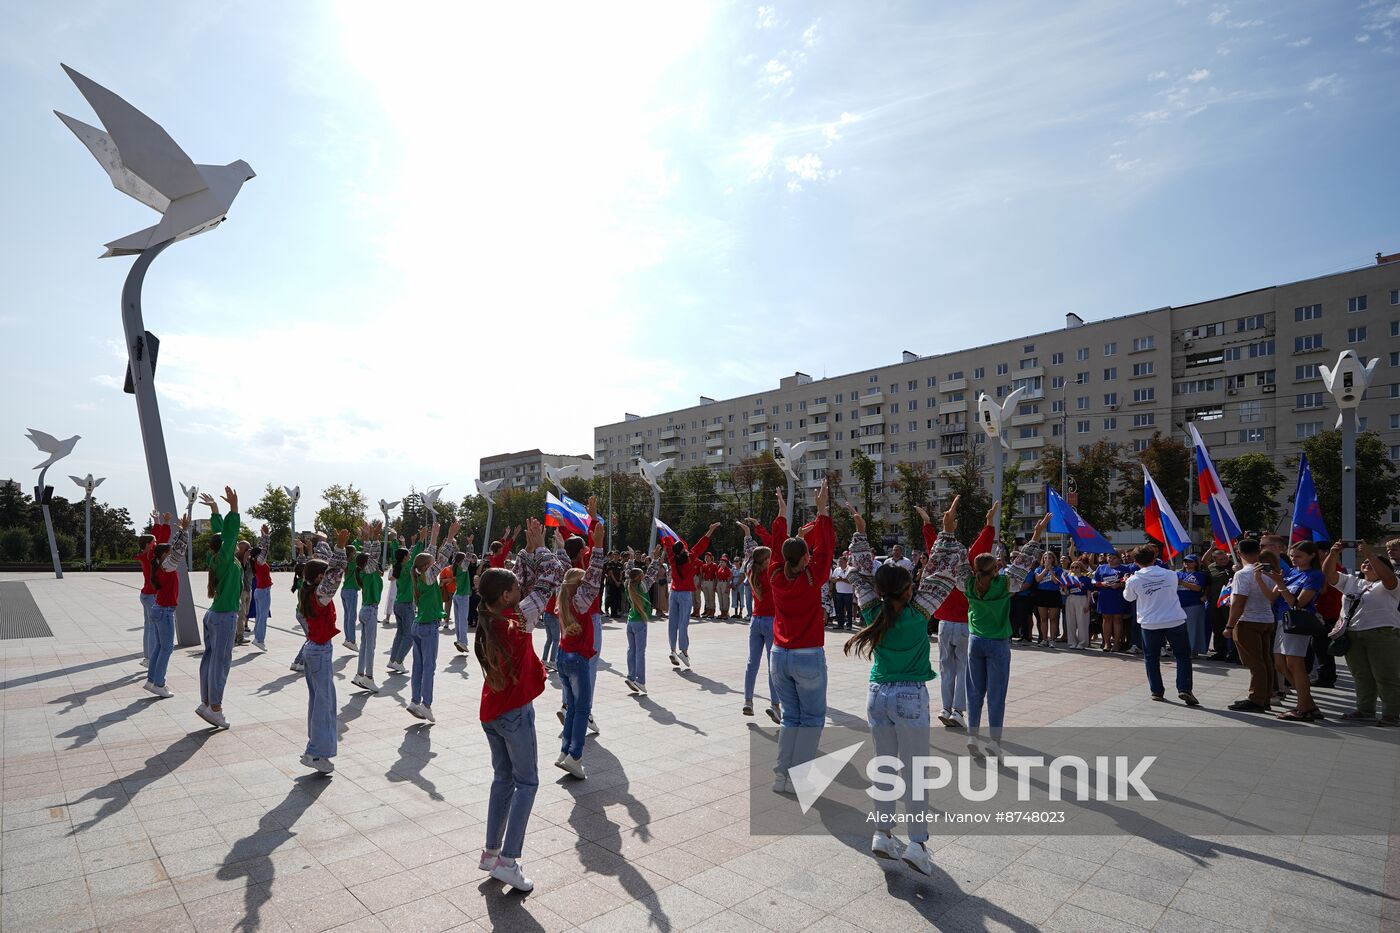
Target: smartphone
{"points": [[1349, 544]]}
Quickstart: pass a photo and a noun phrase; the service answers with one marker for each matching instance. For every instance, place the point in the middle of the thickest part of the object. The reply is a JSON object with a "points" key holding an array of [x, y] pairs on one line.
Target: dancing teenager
{"points": [[798, 661], [316, 604], [951, 614], [371, 581], [224, 588], [759, 561], [350, 598], [160, 534], [164, 579], [684, 564], [427, 588], [638, 584], [575, 604], [404, 607]]}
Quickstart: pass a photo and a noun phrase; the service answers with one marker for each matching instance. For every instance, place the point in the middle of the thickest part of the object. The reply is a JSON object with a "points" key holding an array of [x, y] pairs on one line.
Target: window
{"points": [[874, 378], [1395, 390], [1356, 334], [1110, 373], [1394, 358], [1393, 451], [955, 375], [1144, 420], [912, 385], [979, 373], [1034, 386], [1305, 372], [1003, 369], [1307, 429], [958, 396], [1143, 369], [1251, 411], [931, 382], [1110, 398], [1083, 427], [1028, 363], [1081, 403], [1309, 400], [894, 388], [1139, 444], [1110, 348], [1057, 359], [1207, 359], [1082, 353], [913, 425], [1031, 431], [1356, 304], [1251, 436], [1055, 429], [1204, 330], [931, 403], [894, 408], [788, 409], [1144, 395], [1057, 382], [1394, 422], [840, 398], [1228, 355], [1395, 296], [1395, 328], [1143, 343], [1196, 386], [1263, 348], [1306, 343], [1057, 406], [894, 447], [931, 444], [1307, 313], [913, 405], [1252, 322], [1110, 424]]}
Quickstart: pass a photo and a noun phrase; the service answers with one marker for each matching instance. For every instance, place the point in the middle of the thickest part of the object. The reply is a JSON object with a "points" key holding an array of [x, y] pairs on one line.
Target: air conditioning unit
{"points": [[1268, 389], [1232, 391], [1113, 408]]}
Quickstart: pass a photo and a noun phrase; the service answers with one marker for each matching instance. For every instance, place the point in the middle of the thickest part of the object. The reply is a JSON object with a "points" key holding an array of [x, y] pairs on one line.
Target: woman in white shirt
{"points": [[1371, 620]]}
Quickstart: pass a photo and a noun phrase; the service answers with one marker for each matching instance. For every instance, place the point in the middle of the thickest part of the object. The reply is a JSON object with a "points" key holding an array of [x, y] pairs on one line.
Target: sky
{"points": [[480, 228]]}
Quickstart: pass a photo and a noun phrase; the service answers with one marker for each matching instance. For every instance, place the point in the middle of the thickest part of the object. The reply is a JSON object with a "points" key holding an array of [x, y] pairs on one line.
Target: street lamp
{"points": [[652, 473], [995, 421], [145, 163], [791, 453], [1347, 381], [57, 450], [484, 489], [88, 484], [384, 508], [293, 493], [191, 493]]}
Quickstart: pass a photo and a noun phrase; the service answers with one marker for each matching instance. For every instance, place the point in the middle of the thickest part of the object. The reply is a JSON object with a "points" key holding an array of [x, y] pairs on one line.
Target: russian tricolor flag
{"points": [[570, 515], [1159, 521], [664, 532], [1223, 523], [1307, 512]]}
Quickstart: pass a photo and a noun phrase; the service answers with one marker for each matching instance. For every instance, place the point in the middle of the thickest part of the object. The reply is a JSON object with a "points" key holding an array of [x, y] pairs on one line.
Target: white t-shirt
{"points": [[1379, 608], [907, 564], [842, 579], [1154, 590], [1257, 607]]}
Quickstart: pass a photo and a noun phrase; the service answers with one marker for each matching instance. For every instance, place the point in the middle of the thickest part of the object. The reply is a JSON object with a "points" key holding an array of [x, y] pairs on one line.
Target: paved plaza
{"points": [[121, 811]]}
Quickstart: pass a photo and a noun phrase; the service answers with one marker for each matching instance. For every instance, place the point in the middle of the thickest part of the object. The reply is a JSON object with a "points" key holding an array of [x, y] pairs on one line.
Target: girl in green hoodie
{"points": [[225, 590]]}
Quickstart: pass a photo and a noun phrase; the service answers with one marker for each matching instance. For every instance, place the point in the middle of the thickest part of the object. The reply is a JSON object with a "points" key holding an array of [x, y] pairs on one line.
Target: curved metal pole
{"points": [[655, 515], [48, 526], [87, 532], [791, 519], [152, 434], [490, 514]]}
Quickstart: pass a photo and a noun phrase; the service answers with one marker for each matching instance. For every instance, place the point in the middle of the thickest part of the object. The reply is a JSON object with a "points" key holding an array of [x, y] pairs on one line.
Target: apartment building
{"points": [[1242, 367], [525, 469]]}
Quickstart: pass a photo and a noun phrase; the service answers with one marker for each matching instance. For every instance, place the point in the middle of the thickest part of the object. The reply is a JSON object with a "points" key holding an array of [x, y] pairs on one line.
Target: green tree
{"points": [[914, 484], [965, 481], [1010, 495], [14, 545], [1377, 486], [275, 510], [863, 472], [1095, 474], [345, 508], [1253, 482]]}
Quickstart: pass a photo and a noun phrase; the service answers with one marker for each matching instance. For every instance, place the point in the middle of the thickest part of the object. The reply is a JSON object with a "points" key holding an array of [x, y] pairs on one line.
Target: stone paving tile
{"points": [[174, 826]]}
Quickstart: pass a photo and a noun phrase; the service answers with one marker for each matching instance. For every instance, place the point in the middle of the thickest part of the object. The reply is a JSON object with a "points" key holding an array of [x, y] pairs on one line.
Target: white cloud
{"points": [[832, 131], [767, 17], [1200, 74], [809, 35], [1327, 83], [1217, 16], [1301, 43], [1363, 39], [777, 73], [1158, 76], [806, 169], [1243, 23]]}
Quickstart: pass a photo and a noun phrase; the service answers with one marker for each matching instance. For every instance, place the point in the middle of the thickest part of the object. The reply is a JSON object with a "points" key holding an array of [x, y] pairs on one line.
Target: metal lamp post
{"points": [[652, 473], [995, 421], [384, 508], [1347, 382], [791, 453], [191, 494], [57, 450], [293, 493], [144, 162], [88, 484], [484, 489]]}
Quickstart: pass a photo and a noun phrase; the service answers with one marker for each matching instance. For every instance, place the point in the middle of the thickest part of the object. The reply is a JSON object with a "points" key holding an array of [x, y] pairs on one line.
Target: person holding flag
{"points": [[1307, 512], [684, 564], [1160, 522], [1223, 523]]}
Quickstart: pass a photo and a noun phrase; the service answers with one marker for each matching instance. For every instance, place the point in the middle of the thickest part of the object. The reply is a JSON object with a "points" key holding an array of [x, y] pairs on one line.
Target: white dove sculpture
{"points": [[557, 474], [1347, 381], [791, 454], [55, 448], [485, 487], [386, 506], [430, 499], [145, 163], [190, 492], [653, 471], [87, 482], [293, 493], [994, 418]]}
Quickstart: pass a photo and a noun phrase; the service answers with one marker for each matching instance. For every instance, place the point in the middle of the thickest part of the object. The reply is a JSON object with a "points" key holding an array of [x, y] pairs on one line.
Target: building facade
{"points": [[1243, 368], [525, 469]]}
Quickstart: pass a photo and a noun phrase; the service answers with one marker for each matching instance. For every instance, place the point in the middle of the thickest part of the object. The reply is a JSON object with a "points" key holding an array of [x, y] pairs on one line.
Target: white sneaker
{"points": [[427, 712], [593, 726], [886, 847], [642, 689], [993, 749], [630, 685], [260, 645], [161, 692], [488, 859], [416, 709], [775, 713], [946, 717], [323, 765], [461, 648], [559, 762], [145, 662], [394, 667], [781, 785], [959, 721], [298, 667], [573, 766], [685, 659], [214, 719], [918, 857], [974, 749], [675, 661], [365, 682], [511, 873]]}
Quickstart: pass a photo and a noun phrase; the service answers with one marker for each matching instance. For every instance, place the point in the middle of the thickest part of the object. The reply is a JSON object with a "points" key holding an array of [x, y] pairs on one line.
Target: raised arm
{"points": [[703, 544], [335, 569], [444, 553], [540, 574], [178, 545], [861, 572], [593, 580], [1021, 566]]}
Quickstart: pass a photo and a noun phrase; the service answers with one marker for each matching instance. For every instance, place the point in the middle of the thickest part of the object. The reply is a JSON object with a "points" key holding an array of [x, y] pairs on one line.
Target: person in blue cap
{"points": [[1190, 589]]}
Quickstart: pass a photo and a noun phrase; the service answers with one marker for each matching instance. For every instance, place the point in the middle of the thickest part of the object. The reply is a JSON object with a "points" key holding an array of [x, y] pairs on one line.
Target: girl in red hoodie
{"points": [[685, 567], [798, 662], [577, 648], [513, 677], [320, 580]]}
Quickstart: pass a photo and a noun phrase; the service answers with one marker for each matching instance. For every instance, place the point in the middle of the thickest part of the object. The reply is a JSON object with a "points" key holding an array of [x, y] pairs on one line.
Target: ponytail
{"points": [[216, 544], [152, 568], [491, 649], [306, 598], [794, 549], [891, 582], [400, 556], [634, 592]]}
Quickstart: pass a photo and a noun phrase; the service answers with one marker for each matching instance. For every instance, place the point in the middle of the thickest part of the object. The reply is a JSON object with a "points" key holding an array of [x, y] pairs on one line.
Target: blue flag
{"points": [[1065, 520], [1307, 513]]}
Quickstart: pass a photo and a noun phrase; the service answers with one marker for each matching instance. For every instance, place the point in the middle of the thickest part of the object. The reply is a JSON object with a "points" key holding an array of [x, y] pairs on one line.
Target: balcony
{"points": [[758, 419], [814, 446], [952, 408], [818, 427], [714, 429], [953, 444], [957, 427], [1030, 373], [666, 448], [953, 385], [870, 421], [714, 458], [818, 408], [874, 398], [666, 433], [1027, 443], [1035, 417], [714, 443]]}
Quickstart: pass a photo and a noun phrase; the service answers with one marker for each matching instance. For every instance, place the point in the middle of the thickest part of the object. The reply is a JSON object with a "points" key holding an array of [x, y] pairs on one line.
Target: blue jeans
{"points": [[425, 647], [597, 654], [350, 610], [799, 680], [1180, 641], [988, 674], [760, 644], [404, 614], [369, 634], [678, 619], [574, 677], [739, 590], [899, 724], [461, 610], [163, 625], [845, 602], [1198, 627], [320, 700], [952, 664], [550, 623], [514, 756], [148, 635], [262, 608], [637, 652], [218, 656]]}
